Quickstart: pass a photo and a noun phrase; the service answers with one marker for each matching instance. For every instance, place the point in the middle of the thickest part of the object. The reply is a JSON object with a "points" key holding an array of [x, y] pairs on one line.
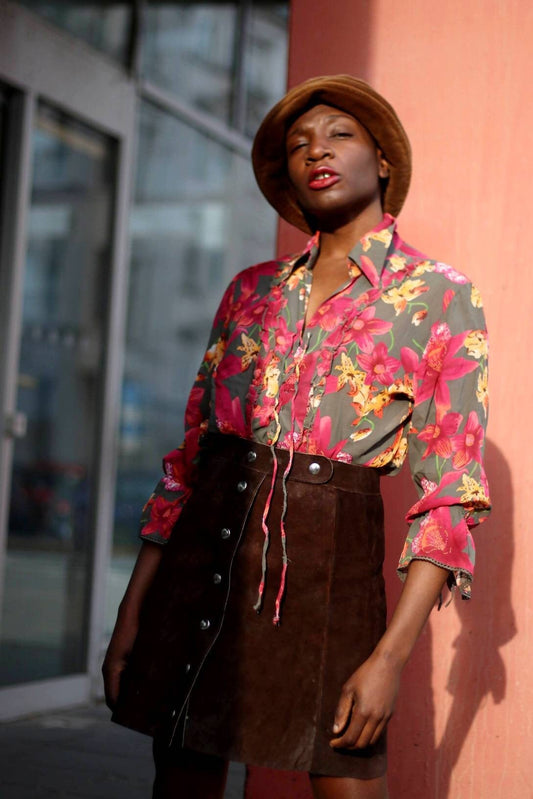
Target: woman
{"points": [[322, 369]]}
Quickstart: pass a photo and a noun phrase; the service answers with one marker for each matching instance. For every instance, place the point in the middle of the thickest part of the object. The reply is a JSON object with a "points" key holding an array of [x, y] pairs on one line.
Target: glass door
{"points": [[66, 284]]}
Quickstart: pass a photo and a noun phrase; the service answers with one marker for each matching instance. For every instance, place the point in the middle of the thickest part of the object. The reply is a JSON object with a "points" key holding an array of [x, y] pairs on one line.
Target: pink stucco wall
{"points": [[459, 74]]}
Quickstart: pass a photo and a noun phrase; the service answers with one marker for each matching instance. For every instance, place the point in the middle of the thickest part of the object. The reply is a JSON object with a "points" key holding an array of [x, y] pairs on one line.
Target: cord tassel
{"points": [[264, 522]]}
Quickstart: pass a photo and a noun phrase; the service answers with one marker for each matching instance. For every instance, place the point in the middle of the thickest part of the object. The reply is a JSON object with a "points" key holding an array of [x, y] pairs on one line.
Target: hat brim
{"points": [[355, 97]]}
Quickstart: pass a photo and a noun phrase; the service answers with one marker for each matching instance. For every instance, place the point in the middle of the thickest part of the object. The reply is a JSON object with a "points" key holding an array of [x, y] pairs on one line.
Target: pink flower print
{"points": [[331, 313], [451, 273], [440, 365], [467, 445], [163, 516], [170, 480], [410, 359], [365, 327], [283, 337], [446, 300], [438, 436], [433, 535], [379, 365]]}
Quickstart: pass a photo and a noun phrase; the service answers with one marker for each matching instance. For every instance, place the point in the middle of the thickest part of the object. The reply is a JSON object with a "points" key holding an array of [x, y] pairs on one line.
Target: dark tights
{"points": [[197, 776], [188, 776]]}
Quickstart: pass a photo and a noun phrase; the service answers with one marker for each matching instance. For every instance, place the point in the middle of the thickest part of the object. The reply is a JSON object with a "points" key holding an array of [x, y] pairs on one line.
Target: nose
{"points": [[319, 147]]}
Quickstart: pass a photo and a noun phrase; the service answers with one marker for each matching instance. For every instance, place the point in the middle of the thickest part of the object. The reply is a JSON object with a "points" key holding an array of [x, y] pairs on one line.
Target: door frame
{"points": [[38, 61]]}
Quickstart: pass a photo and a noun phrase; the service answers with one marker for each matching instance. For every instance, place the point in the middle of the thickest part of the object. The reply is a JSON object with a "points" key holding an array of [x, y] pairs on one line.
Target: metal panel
{"points": [[12, 258], [35, 56], [41, 61], [107, 458]]}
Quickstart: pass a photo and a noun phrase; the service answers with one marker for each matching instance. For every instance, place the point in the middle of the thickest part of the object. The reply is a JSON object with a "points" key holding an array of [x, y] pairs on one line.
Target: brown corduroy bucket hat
{"points": [[349, 94]]}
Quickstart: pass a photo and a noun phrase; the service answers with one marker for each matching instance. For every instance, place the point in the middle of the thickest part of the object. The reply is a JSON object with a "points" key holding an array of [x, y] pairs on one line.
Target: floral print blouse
{"points": [[393, 364]]}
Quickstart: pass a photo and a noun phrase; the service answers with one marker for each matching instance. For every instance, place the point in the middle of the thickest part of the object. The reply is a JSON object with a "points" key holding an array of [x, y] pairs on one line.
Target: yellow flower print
{"points": [[376, 404], [380, 460], [294, 280], [400, 453], [475, 298], [358, 435], [385, 236], [476, 344], [482, 391], [404, 386], [418, 317], [271, 380], [250, 349], [422, 268], [215, 353], [397, 263], [353, 270], [399, 296], [348, 373], [472, 493]]}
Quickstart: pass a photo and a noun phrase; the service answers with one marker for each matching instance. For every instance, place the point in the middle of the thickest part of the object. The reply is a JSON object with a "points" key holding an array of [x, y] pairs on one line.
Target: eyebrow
{"points": [[301, 129]]}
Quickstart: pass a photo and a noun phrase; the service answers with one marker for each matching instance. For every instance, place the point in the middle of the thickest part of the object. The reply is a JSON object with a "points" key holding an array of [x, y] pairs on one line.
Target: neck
{"points": [[340, 240]]}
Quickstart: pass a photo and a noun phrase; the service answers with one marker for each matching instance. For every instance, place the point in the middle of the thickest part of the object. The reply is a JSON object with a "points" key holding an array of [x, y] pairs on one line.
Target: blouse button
{"points": [[251, 456], [187, 668], [314, 468], [217, 578], [205, 624], [225, 533], [242, 485]]}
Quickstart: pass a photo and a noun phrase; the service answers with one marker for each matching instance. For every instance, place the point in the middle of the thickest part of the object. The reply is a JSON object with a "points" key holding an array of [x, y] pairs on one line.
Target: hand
{"points": [[366, 703], [116, 658], [127, 625]]}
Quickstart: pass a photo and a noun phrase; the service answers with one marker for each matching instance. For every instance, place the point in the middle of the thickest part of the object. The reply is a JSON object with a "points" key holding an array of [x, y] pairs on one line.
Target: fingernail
{"points": [[335, 727]]}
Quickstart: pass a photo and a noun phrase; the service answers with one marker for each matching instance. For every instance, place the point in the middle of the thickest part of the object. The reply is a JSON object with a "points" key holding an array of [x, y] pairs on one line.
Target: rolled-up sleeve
{"points": [[446, 440]]}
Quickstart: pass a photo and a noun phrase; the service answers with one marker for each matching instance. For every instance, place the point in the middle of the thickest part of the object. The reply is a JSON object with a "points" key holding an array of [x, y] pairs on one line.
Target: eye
{"points": [[295, 146], [342, 134]]}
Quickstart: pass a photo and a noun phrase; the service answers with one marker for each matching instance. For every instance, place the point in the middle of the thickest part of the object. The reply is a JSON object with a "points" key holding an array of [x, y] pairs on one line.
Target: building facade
{"points": [[127, 204]]}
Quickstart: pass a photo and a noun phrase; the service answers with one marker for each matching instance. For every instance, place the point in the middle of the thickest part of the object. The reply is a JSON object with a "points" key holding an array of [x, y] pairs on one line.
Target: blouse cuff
{"points": [[442, 536], [160, 514]]}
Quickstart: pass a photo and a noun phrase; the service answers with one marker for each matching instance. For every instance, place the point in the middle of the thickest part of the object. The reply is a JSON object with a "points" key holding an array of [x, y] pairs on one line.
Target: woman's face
{"points": [[334, 166]]}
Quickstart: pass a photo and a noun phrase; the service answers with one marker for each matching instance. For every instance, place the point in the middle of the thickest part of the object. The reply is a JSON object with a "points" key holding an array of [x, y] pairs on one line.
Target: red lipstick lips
{"points": [[322, 178]]}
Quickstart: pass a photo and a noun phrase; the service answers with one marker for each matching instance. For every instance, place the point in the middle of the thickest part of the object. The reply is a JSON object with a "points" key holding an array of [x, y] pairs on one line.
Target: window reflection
{"points": [[189, 49], [265, 60], [59, 385], [105, 26], [198, 219]]}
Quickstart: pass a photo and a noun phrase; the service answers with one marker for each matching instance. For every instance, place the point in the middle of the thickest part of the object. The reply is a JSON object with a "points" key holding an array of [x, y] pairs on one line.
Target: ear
{"points": [[383, 166]]}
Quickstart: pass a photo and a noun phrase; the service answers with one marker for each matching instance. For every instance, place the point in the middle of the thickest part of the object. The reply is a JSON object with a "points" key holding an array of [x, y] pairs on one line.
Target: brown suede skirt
{"points": [[208, 672]]}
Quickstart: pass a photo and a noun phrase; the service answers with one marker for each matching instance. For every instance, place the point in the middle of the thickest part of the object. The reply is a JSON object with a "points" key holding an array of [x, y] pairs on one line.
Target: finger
{"points": [[343, 711], [378, 732], [367, 733], [351, 735]]}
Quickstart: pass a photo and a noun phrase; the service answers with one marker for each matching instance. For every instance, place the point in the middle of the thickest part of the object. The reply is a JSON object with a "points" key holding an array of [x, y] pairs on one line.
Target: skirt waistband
{"points": [[306, 468]]}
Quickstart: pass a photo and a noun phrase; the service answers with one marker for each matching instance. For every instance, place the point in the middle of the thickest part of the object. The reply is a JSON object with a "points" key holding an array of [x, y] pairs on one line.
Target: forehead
{"points": [[318, 114]]}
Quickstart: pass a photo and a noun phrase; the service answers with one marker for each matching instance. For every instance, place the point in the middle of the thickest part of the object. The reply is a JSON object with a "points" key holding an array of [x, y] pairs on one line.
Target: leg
{"points": [[188, 775], [348, 788]]}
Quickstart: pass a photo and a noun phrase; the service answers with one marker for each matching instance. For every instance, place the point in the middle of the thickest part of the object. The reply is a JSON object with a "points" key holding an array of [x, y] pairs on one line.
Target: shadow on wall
{"points": [[487, 624], [478, 669]]}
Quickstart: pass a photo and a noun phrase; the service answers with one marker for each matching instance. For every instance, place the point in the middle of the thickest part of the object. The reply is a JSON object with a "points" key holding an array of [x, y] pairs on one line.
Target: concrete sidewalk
{"points": [[80, 754]]}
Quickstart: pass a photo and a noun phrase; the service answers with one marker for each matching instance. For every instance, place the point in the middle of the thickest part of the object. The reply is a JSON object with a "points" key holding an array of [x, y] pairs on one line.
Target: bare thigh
{"points": [[348, 788]]}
